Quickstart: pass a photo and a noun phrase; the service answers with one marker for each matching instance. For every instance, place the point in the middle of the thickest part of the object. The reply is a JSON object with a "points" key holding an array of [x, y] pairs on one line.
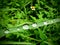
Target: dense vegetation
{"points": [[16, 13]]}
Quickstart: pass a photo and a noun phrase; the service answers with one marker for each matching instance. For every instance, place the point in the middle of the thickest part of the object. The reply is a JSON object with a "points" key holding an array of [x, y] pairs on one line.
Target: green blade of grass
{"points": [[12, 42], [42, 35], [2, 33], [49, 22]]}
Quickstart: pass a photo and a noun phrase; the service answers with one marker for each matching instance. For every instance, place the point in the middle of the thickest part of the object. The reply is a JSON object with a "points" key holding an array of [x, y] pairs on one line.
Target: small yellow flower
{"points": [[32, 7]]}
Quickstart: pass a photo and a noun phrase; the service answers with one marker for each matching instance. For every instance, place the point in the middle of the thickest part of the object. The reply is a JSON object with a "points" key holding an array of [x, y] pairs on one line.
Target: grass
{"points": [[44, 14]]}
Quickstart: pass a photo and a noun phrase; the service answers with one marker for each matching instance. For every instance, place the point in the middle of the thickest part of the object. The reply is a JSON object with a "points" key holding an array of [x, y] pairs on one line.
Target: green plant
{"points": [[21, 23]]}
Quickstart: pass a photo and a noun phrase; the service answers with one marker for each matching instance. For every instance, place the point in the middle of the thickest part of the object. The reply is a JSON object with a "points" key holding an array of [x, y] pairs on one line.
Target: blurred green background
{"points": [[16, 13]]}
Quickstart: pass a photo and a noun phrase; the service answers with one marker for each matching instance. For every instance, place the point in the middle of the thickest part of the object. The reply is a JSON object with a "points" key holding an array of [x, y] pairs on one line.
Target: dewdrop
{"points": [[45, 23], [34, 25], [25, 27], [18, 29], [6, 32]]}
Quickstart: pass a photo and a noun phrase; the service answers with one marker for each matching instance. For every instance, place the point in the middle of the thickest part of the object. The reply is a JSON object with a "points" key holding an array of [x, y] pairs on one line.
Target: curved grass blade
{"points": [[12, 42]]}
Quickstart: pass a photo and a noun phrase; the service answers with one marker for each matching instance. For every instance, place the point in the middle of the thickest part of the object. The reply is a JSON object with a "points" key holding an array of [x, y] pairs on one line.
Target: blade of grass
{"points": [[30, 38], [12, 42], [42, 35]]}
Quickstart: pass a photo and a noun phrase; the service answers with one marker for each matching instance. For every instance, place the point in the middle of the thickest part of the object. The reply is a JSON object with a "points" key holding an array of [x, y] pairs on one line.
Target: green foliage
{"points": [[16, 13]]}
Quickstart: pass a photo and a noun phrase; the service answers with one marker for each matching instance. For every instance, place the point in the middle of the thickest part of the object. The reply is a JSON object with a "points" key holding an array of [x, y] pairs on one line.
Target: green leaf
{"points": [[42, 35], [12, 42], [33, 18], [2, 33]]}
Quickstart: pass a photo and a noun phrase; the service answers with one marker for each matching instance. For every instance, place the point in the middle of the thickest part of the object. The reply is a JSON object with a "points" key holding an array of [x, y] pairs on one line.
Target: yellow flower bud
{"points": [[32, 7]]}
